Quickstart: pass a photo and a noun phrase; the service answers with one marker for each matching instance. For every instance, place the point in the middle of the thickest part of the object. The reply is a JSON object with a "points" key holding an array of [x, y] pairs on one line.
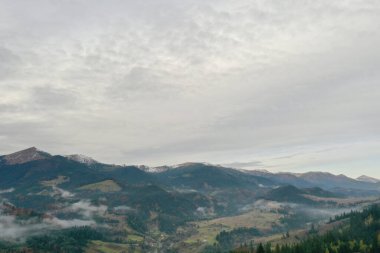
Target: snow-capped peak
{"points": [[81, 159]]}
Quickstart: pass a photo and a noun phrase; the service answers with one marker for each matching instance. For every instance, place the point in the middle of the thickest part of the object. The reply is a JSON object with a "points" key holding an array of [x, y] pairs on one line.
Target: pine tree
{"points": [[260, 248]]}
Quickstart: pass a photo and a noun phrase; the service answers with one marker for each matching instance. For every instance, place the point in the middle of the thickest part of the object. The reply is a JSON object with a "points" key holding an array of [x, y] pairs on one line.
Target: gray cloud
{"points": [[9, 63], [158, 82], [46, 96]]}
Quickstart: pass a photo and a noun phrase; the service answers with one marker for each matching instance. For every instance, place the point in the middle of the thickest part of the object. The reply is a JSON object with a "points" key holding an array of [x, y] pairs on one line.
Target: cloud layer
{"points": [[290, 85], [12, 228]]}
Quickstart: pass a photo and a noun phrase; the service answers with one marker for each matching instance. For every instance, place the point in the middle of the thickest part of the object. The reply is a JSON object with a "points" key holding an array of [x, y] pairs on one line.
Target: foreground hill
{"points": [[358, 232]]}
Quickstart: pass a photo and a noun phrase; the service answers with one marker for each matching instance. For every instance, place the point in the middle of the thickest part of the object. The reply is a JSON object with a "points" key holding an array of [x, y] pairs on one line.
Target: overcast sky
{"points": [[280, 85]]}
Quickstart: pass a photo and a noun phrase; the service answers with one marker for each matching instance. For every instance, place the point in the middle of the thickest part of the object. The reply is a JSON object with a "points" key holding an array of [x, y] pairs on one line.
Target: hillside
{"points": [[208, 177], [147, 207], [293, 194], [322, 180], [359, 232]]}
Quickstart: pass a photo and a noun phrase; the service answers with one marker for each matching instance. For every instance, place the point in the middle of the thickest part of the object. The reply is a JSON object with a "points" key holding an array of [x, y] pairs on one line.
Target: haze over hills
{"points": [[364, 178]]}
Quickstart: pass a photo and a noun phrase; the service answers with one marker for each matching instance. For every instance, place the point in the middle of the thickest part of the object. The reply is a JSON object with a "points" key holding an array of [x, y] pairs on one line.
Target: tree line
{"points": [[361, 233]]}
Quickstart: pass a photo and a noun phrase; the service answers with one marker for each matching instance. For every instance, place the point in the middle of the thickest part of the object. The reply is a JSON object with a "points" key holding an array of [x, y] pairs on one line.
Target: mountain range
{"points": [[76, 189], [36, 180], [32, 165]]}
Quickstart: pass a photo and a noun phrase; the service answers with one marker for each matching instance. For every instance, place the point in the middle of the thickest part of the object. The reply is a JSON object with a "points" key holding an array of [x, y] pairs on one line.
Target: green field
{"points": [[206, 231], [135, 238], [106, 247]]}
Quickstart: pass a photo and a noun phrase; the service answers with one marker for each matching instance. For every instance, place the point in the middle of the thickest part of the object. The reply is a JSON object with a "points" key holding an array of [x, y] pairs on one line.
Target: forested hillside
{"points": [[360, 233]]}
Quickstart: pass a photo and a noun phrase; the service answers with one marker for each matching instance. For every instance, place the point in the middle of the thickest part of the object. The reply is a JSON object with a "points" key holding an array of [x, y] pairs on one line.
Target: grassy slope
{"points": [[103, 186], [206, 231]]}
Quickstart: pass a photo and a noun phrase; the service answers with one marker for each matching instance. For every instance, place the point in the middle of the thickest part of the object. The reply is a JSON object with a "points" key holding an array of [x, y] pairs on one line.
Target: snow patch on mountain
{"points": [[82, 159]]}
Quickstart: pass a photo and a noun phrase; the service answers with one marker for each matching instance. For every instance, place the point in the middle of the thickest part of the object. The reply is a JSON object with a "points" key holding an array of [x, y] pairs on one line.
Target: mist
{"points": [[14, 228]]}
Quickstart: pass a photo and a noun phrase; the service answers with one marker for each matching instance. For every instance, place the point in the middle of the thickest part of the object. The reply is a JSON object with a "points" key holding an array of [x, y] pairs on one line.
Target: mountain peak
{"points": [[368, 179], [26, 155], [81, 159]]}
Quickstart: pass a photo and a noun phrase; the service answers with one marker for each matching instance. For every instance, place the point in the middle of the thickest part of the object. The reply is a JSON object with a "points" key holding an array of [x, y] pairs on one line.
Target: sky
{"points": [[278, 85]]}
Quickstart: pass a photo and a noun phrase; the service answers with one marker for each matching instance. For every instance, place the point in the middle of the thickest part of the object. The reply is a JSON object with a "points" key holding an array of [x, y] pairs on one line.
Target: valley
{"points": [[192, 207]]}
